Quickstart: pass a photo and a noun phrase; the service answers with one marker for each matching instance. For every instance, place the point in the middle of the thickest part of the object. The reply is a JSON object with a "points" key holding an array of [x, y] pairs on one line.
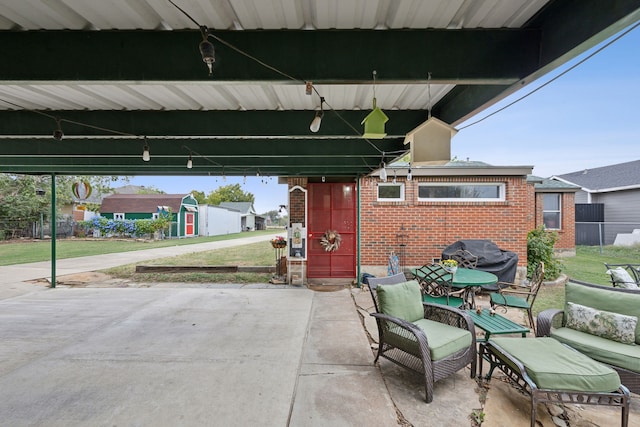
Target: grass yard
{"points": [[36, 250], [255, 254]]}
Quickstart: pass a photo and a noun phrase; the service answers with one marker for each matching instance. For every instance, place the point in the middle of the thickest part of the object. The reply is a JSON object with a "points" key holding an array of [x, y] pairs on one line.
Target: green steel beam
{"points": [[202, 123], [277, 156], [319, 55]]}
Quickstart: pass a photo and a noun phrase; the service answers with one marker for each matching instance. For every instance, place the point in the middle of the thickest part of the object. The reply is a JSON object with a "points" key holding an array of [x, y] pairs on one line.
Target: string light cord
{"points": [[63, 120], [582, 61], [282, 73]]}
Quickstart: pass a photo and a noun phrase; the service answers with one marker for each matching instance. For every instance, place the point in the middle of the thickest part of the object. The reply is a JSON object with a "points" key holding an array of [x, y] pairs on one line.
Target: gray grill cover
{"points": [[490, 258]]}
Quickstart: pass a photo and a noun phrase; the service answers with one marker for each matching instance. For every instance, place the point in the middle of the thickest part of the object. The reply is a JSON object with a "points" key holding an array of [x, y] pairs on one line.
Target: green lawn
{"points": [[33, 251], [255, 254]]}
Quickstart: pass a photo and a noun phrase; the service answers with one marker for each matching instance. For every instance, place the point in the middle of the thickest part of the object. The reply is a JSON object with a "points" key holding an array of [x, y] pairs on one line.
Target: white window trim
{"points": [[119, 216], [558, 211], [501, 189], [390, 184]]}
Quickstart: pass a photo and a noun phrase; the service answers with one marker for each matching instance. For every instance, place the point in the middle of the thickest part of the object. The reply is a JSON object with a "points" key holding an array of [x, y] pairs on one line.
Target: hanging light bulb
{"points": [[146, 156], [317, 120], [383, 173], [207, 50], [58, 134], [189, 162], [409, 176]]}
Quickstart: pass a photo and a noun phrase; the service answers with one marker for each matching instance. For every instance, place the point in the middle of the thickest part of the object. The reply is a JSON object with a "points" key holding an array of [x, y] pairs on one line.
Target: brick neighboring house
{"points": [[555, 202], [418, 218], [183, 209]]}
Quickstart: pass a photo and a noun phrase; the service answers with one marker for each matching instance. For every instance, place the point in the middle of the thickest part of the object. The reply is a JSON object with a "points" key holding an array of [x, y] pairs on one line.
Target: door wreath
{"points": [[331, 240]]}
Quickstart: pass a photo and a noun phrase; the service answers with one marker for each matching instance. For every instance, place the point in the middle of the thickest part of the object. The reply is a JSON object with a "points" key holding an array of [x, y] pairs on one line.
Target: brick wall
{"points": [[431, 226], [566, 243], [297, 207]]}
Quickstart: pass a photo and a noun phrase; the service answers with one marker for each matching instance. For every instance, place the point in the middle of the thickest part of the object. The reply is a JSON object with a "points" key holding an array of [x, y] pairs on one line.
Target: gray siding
{"points": [[621, 212], [581, 197]]}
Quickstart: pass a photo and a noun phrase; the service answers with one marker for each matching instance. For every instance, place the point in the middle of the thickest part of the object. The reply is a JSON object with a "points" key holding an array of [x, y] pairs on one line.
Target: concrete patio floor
{"points": [[99, 352]]}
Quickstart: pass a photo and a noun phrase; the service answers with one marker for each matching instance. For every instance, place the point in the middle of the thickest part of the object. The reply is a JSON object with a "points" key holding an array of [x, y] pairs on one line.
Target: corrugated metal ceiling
{"points": [[248, 15], [265, 14]]}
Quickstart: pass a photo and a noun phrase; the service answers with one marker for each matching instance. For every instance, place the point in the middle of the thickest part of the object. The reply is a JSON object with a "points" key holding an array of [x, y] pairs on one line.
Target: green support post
{"points": [[358, 233], [53, 230]]}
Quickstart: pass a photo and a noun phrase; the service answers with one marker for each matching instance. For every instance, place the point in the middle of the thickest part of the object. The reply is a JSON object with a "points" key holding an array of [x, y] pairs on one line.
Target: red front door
{"points": [[332, 207], [189, 219]]}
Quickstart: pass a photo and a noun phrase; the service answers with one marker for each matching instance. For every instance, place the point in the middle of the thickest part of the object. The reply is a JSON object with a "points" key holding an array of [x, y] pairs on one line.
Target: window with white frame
{"points": [[118, 216], [551, 210], [461, 192], [390, 192]]}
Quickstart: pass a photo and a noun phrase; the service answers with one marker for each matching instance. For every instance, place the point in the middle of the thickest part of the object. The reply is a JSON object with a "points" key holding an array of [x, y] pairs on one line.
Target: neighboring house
{"points": [[555, 209], [609, 195], [77, 207], [218, 220], [248, 216], [183, 209]]}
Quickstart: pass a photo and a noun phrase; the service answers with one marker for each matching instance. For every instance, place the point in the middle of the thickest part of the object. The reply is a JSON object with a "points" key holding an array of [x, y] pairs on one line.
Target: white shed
{"points": [[217, 220]]}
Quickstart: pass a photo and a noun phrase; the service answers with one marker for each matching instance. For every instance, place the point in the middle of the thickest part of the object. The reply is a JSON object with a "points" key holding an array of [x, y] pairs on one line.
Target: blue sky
{"points": [[588, 118]]}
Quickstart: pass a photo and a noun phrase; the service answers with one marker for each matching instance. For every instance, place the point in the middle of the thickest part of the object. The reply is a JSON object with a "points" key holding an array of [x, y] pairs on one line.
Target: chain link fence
{"points": [[607, 233], [11, 228]]}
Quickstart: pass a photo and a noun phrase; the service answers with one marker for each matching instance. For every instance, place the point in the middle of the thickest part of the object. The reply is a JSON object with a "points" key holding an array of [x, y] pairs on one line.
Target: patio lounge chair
{"points": [[521, 297], [432, 340]]}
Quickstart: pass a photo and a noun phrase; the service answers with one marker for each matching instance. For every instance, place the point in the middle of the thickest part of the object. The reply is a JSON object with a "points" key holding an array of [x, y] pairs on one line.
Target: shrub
{"points": [[540, 243], [126, 227]]}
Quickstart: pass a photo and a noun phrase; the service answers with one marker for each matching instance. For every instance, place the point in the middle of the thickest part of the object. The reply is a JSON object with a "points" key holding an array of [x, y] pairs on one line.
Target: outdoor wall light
{"points": [[189, 162], [146, 156], [207, 50], [409, 176], [58, 134], [317, 120]]}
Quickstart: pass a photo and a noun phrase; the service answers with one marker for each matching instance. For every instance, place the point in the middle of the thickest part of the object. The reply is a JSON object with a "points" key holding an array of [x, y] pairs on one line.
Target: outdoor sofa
{"points": [[602, 323]]}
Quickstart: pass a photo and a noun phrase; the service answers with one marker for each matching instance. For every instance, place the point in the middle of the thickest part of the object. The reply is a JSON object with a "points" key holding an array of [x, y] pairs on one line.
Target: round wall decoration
{"points": [[331, 240], [81, 190]]}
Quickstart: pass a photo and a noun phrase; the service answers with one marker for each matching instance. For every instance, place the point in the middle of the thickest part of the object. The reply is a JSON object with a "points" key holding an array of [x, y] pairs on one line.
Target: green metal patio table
{"points": [[470, 279]]}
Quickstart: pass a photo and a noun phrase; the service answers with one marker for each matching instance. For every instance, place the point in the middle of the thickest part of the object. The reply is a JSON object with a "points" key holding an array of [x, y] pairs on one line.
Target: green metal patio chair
{"points": [[436, 283], [521, 297]]}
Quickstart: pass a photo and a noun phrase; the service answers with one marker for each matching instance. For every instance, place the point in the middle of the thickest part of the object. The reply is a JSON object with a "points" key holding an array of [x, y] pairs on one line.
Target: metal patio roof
{"points": [[121, 74]]}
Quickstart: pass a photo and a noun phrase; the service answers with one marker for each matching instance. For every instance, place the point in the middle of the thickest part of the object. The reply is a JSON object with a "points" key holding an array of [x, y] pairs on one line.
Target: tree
{"points": [[276, 218], [25, 197], [150, 190], [229, 193], [199, 196]]}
